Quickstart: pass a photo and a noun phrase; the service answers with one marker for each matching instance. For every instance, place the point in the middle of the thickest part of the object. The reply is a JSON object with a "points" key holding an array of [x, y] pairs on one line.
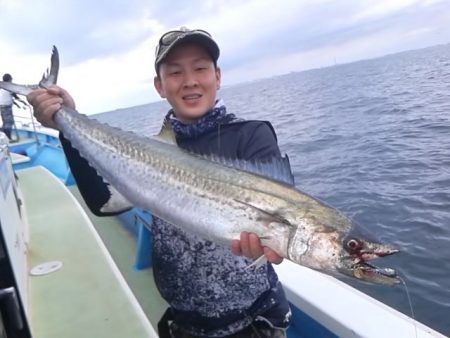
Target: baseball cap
{"points": [[171, 39]]}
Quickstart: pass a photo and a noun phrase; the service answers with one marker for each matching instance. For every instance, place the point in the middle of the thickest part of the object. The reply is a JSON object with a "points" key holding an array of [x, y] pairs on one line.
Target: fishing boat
{"points": [[67, 273]]}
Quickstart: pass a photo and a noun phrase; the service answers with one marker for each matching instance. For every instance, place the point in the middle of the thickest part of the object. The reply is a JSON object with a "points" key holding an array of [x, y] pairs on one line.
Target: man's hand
{"points": [[250, 246], [46, 102]]}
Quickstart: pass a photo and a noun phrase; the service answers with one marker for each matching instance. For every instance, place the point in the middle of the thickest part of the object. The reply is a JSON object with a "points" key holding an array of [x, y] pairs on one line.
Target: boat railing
{"points": [[24, 119]]}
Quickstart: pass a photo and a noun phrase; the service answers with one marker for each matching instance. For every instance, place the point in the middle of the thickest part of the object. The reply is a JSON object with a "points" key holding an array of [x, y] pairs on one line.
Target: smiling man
{"points": [[210, 289], [188, 78], [218, 296]]}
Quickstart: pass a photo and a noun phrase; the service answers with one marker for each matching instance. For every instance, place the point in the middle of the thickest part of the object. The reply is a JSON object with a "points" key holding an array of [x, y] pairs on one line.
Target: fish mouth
{"points": [[358, 252], [371, 273]]}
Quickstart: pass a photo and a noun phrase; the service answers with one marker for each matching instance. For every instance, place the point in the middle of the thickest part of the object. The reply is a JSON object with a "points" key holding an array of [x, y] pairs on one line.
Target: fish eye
{"points": [[353, 245]]}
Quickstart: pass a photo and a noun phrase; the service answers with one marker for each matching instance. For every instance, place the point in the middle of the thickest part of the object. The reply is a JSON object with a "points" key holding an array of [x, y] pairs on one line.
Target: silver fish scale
{"points": [[211, 200], [189, 182]]}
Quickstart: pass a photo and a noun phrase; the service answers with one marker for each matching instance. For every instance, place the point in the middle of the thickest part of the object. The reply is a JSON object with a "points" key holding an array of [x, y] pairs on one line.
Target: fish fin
{"points": [[49, 78], [260, 261], [276, 168], [267, 216], [18, 89], [51, 75], [166, 133]]}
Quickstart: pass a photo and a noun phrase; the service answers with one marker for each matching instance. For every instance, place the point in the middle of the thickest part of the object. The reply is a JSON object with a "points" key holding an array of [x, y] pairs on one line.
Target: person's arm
{"points": [[17, 98], [260, 144]]}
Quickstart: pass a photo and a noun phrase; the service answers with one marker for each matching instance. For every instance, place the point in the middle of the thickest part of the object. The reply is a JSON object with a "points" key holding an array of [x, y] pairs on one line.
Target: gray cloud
{"points": [[334, 24], [257, 32], [83, 31], [99, 29], [106, 27]]}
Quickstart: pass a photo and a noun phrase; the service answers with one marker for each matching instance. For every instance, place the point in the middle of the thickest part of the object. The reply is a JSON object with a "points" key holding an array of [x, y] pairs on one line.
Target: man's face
{"points": [[189, 81]]}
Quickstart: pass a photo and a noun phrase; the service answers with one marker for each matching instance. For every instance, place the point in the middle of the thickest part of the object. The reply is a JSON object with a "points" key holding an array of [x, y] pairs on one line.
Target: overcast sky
{"points": [[107, 47]]}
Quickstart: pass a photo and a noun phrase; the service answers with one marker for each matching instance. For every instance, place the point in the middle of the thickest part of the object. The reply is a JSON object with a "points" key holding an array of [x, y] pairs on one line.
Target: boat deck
{"points": [[122, 246], [88, 296]]}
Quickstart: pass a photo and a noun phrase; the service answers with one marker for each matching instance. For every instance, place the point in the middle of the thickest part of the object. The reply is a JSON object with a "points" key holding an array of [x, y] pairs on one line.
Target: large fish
{"points": [[218, 198]]}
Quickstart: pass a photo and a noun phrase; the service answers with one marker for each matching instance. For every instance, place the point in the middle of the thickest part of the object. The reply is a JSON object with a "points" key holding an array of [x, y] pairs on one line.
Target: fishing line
{"points": [[410, 303]]}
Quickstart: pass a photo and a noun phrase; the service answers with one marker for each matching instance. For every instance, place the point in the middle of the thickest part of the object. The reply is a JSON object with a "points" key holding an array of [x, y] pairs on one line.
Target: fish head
{"points": [[332, 243], [353, 258]]}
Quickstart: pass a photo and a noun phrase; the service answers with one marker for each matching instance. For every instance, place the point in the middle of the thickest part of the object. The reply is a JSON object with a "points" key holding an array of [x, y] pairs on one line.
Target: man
{"points": [[210, 289], [7, 99]]}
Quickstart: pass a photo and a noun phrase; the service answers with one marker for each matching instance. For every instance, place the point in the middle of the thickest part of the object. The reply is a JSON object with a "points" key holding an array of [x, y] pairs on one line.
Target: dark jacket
{"points": [[210, 290]]}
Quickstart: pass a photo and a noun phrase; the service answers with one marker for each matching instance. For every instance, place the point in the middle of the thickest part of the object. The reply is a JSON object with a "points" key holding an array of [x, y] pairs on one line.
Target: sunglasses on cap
{"points": [[171, 36]]}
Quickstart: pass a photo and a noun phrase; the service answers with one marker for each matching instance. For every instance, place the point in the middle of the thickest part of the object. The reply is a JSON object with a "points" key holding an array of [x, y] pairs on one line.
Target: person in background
{"points": [[209, 288], [7, 100]]}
